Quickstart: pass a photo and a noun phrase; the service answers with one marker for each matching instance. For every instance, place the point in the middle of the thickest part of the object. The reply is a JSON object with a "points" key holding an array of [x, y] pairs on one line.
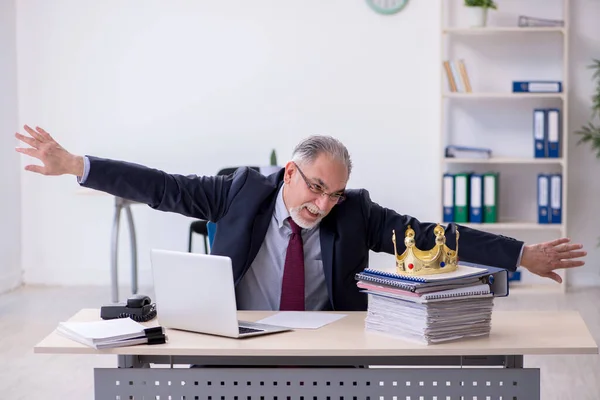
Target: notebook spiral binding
{"points": [[395, 276], [385, 282], [433, 296], [141, 318]]}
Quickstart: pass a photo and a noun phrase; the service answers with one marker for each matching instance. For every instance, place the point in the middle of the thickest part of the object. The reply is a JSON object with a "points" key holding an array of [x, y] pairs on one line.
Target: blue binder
{"points": [[543, 187], [556, 198], [540, 131], [553, 132], [514, 276], [476, 200], [537, 86], [448, 197]]}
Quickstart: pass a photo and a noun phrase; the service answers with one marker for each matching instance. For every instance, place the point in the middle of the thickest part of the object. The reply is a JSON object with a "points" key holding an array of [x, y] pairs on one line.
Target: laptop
{"points": [[195, 292]]}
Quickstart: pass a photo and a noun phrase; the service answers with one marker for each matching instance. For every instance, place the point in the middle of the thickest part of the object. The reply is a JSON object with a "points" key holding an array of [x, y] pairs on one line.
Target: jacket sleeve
{"points": [[473, 246], [205, 197]]}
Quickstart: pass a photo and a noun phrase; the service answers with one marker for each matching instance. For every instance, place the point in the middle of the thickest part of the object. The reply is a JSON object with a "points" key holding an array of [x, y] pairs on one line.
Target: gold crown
{"points": [[440, 259]]}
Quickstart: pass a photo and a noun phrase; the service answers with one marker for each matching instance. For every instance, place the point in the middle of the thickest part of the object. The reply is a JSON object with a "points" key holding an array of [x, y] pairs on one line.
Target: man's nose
{"points": [[322, 202]]}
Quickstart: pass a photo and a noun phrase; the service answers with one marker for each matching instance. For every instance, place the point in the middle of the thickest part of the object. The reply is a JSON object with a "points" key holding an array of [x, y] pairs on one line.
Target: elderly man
{"points": [[296, 238]]}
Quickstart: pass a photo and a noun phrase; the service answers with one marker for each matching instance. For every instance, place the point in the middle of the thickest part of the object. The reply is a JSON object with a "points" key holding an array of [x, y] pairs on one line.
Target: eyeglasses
{"points": [[317, 189]]}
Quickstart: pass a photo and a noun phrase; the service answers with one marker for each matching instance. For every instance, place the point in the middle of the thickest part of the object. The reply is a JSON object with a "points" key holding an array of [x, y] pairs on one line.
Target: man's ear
{"points": [[289, 171]]}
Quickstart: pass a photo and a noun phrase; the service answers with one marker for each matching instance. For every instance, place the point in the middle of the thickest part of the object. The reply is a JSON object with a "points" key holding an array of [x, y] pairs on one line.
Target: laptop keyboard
{"points": [[244, 329]]}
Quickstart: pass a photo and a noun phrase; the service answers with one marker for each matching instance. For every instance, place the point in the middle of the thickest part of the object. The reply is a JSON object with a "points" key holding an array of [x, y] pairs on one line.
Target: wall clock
{"points": [[387, 6]]}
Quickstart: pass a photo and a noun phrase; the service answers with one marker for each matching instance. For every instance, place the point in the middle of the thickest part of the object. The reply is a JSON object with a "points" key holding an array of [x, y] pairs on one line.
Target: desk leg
{"points": [[514, 362], [131, 361], [121, 204]]}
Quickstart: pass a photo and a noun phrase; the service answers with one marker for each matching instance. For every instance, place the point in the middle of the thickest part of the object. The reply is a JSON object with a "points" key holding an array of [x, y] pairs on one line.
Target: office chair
{"points": [[206, 228], [198, 227]]}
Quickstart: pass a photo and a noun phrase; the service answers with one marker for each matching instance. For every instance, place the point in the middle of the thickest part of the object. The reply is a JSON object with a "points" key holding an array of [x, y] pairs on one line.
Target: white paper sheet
{"points": [[302, 319]]}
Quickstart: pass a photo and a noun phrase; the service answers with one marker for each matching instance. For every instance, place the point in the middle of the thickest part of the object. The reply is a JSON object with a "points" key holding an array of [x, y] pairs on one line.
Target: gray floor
{"points": [[28, 314]]}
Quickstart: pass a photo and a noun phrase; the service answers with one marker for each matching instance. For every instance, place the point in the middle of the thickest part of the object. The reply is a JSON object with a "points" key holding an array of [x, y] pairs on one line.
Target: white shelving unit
{"points": [[480, 96], [500, 226], [489, 36], [504, 160], [502, 29]]}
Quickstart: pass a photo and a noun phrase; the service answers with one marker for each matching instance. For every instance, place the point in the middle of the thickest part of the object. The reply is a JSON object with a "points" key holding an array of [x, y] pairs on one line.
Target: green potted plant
{"points": [[590, 133], [272, 167], [478, 11]]}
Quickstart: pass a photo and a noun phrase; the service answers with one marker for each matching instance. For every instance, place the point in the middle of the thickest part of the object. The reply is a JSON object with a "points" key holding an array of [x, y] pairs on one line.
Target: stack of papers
{"points": [[111, 333], [428, 309]]}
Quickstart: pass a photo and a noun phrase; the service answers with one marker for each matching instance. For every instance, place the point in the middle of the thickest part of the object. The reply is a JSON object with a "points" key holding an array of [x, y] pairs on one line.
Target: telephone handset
{"points": [[138, 307], [138, 301]]}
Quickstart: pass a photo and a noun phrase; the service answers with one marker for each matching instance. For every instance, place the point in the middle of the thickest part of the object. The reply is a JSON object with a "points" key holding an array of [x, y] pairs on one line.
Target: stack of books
{"points": [[456, 74], [111, 333], [432, 309]]}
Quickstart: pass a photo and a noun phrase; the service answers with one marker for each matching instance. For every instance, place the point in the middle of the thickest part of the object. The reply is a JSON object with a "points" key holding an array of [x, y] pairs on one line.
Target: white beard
{"points": [[301, 222]]}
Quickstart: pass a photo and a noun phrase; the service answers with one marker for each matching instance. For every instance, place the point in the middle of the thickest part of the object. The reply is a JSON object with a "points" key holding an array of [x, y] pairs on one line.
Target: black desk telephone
{"points": [[138, 307]]}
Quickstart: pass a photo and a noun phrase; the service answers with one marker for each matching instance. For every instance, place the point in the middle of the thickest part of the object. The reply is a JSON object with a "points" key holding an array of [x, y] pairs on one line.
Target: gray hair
{"points": [[311, 147]]}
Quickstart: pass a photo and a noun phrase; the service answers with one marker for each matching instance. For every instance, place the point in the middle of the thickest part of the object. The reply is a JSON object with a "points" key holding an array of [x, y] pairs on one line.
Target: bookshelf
{"points": [[501, 29], [491, 115], [514, 96], [504, 160], [513, 226]]}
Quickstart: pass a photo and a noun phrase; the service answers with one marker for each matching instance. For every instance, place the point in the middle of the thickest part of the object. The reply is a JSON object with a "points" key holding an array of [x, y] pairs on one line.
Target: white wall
{"points": [[10, 199], [192, 86]]}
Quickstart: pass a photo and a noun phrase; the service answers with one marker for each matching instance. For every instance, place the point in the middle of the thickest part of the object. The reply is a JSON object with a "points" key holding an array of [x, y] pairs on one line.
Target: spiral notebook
{"points": [[463, 271], [400, 284], [481, 290], [468, 274]]}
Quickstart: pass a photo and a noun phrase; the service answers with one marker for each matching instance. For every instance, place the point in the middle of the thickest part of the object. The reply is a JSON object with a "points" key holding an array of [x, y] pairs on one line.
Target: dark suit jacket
{"points": [[242, 205]]}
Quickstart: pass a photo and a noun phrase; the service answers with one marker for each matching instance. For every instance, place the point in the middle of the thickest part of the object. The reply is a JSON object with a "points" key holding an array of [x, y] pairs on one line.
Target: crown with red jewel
{"points": [[440, 259]]}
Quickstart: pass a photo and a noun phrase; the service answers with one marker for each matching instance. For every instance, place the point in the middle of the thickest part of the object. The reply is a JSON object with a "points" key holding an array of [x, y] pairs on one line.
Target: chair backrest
{"points": [[211, 227]]}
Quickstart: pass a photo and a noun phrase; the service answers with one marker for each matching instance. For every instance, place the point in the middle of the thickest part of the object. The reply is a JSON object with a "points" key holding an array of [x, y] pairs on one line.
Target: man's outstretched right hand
{"points": [[56, 160]]}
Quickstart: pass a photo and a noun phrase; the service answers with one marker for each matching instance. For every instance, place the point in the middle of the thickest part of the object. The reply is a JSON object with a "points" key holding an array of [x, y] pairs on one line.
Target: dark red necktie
{"points": [[292, 287]]}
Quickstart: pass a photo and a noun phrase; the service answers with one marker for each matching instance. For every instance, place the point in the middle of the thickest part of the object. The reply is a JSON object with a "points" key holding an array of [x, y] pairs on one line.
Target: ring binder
{"points": [[479, 290]]}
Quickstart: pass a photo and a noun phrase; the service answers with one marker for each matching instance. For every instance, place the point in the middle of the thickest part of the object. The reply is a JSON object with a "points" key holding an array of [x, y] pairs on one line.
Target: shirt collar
{"points": [[281, 213]]}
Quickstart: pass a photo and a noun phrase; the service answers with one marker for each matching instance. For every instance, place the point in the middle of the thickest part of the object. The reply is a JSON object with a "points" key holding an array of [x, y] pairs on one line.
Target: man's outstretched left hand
{"points": [[544, 258]]}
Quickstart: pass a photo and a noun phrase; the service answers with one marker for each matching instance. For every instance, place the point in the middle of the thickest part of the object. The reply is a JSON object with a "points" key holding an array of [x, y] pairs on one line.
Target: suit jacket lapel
{"points": [[327, 235], [259, 230]]}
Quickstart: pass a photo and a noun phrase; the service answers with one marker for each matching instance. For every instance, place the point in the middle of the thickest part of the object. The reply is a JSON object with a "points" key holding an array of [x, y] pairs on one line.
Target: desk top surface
{"points": [[513, 333]]}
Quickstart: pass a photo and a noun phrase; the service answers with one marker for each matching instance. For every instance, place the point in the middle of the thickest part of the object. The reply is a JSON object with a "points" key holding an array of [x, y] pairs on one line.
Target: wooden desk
{"points": [[483, 367]]}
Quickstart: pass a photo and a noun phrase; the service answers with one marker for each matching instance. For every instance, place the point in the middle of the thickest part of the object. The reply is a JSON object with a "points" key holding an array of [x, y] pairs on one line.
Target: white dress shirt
{"points": [[260, 288]]}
